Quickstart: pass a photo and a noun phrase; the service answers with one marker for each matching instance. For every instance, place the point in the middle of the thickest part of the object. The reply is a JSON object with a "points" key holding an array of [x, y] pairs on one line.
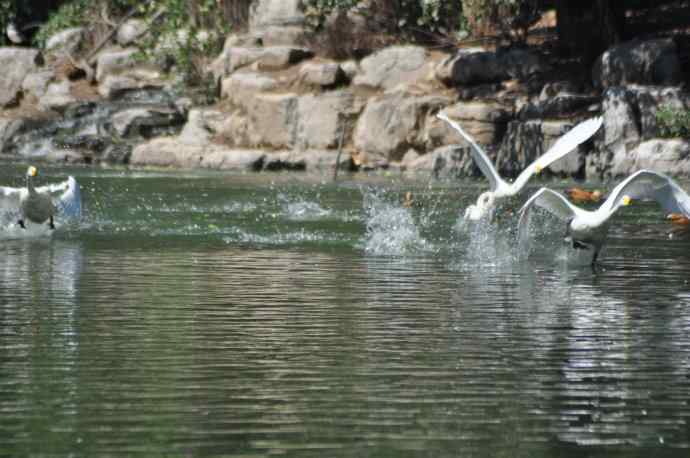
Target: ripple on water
{"points": [[274, 343]]}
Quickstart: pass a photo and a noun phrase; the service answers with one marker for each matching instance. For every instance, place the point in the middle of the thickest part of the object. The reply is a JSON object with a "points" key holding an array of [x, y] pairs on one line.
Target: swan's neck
{"points": [[30, 185]]}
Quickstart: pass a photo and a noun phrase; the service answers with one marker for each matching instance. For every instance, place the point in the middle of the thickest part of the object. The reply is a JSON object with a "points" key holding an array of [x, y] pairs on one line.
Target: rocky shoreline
{"points": [[282, 107]]}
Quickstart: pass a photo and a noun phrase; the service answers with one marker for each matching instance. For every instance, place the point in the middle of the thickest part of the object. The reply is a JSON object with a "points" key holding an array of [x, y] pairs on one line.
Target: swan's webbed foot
{"points": [[51, 224], [21, 224]]}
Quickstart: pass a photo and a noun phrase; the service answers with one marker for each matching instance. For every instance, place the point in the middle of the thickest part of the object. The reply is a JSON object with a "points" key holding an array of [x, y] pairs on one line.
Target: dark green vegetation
{"points": [[673, 122]]}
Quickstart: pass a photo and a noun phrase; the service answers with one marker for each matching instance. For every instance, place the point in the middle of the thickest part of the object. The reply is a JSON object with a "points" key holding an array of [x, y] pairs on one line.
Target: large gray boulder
{"points": [[321, 74], [450, 161], [394, 65], [242, 86], [639, 62], [176, 153], [476, 66], [36, 84], [271, 120], [485, 121], [8, 127], [144, 121], [279, 22], [115, 61], [114, 86], [393, 123], [630, 117], [670, 156], [57, 96], [272, 58], [322, 118], [620, 133], [16, 64], [202, 126], [131, 31]]}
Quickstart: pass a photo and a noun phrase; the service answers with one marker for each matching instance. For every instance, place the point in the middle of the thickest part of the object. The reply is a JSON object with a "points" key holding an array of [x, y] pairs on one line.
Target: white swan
{"points": [[500, 188], [39, 205], [587, 230]]}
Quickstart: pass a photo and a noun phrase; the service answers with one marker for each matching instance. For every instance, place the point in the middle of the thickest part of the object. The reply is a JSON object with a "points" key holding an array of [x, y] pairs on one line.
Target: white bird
{"points": [[587, 230], [500, 188], [39, 205], [14, 34]]}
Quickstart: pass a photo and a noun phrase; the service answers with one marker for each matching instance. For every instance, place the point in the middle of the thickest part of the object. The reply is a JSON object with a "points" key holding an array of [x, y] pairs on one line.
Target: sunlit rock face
{"points": [[393, 123], [279, 22], [394, 66], [630, 121], [16, 64]]}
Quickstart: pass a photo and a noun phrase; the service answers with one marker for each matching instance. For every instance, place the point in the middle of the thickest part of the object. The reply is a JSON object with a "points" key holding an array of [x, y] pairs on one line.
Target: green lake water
{"points": [[210, 314]]}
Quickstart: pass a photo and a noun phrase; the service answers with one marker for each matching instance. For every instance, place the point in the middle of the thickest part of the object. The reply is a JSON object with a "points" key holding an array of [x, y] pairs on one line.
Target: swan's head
{"points": [[626, 200], [486, 200], [484, 205], [32, 171]]}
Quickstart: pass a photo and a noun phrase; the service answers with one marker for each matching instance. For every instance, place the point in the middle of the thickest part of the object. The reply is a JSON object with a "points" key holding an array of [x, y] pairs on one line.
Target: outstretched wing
{"points": [[568, 142], [650, 185], [69, 202], [66, 196], [550, 201], [478, 154]]}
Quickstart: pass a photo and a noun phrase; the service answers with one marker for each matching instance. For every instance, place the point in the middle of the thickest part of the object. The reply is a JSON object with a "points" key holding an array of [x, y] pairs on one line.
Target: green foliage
{"points": [[507, 18], [71, 14], [401, 16], [673, 122], [187, 33], [182, 34]]}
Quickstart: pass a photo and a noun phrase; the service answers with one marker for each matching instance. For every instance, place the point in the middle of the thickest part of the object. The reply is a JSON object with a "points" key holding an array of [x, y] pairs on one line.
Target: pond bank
{"points": [[281, 106]]}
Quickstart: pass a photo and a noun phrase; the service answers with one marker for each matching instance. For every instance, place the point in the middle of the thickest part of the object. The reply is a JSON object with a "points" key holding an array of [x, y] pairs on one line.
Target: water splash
{"points": [[305, 211], [390, 228], [14, 231]]}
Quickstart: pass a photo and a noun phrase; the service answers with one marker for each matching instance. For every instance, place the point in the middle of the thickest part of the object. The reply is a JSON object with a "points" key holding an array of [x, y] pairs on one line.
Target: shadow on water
{"points": [[249, 316]]}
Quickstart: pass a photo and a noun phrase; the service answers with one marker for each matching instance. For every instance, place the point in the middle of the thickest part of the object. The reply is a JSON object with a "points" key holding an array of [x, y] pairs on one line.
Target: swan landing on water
{"points": [[38, 206], [500, 189], [587, 230]]}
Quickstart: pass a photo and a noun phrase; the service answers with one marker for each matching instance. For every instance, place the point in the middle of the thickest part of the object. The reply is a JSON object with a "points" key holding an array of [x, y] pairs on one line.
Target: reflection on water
{"points": [[240, 316]]}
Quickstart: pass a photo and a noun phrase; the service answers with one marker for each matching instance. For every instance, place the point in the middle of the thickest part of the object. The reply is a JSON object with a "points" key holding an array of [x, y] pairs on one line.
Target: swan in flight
{"points": [[587, 230], [40, 205], [500, 188]]}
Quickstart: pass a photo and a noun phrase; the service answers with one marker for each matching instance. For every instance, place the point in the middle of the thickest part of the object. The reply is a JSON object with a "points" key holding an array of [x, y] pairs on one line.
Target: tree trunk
{"points": [[586, 28]]}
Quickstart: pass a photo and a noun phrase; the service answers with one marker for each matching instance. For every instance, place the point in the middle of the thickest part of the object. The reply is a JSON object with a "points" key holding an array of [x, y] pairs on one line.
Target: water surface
{"points": [[206, 314]]}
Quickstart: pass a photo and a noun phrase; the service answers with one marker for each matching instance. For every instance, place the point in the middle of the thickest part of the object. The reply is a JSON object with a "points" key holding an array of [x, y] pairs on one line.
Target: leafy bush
{"points": [[673, 122], [71, 14], [409, 19], [184, 34], [510, 19]]}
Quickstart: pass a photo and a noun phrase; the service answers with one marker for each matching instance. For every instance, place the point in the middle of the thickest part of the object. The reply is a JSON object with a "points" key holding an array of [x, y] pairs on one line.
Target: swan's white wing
{"points": [[650, 185], [565, 144], [478, 154], [550, 201], [69, 202]]}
